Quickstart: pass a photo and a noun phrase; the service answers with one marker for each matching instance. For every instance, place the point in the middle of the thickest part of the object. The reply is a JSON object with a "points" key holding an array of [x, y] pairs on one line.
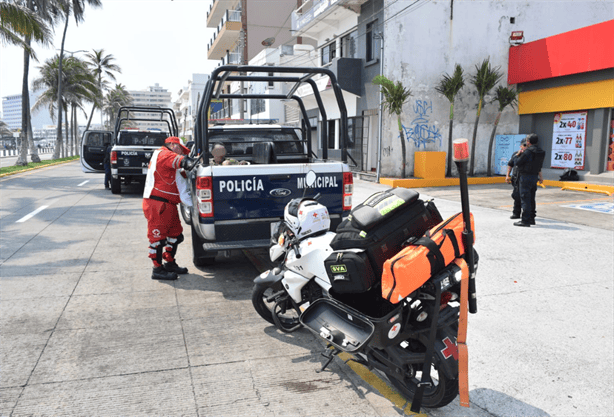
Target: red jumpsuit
{"points": [[160, 200]]}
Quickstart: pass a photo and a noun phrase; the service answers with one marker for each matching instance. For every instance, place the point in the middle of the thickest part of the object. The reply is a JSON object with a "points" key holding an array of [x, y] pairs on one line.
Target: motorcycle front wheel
{"points": [[443, 391], [284, 310]]}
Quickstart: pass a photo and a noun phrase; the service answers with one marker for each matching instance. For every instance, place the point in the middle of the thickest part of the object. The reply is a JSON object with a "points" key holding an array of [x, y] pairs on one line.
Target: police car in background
{"points": [[236, 206], [132, 148]]}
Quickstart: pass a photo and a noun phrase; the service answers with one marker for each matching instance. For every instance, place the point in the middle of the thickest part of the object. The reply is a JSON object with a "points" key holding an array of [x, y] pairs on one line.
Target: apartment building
{"points": [[11, 112], [186, 104], [154, 96]]}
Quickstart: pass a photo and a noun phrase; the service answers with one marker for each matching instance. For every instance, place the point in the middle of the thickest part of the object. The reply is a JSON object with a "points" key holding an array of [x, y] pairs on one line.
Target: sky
{"points": [[153, 41]]}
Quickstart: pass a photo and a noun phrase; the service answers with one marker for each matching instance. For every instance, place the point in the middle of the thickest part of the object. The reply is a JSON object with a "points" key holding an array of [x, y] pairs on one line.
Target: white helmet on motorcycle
{"points": [[306, 217]]}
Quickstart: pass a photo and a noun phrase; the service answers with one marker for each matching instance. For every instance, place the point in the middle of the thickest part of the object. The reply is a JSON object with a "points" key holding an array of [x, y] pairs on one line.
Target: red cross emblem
{"points": [[450, 350], [315, 214], [300, 213]]}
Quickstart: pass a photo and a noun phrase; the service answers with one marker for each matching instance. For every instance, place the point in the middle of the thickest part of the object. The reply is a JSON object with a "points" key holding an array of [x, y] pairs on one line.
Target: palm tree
{"points": [[19, 25], [116, 98], [484, 80], [76, 7], [505, 97], [449, 87], [80, 85], [18, 22], [395, 95], [102, 65]]}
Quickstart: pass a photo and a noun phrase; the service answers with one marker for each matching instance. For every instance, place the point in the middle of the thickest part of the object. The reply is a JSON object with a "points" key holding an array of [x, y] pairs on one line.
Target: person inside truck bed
{"points": [[219, 156], [160, 200]]}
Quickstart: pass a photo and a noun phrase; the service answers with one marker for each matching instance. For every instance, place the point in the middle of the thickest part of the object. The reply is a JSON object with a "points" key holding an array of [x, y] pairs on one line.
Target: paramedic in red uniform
{"points": [[163, 188]]}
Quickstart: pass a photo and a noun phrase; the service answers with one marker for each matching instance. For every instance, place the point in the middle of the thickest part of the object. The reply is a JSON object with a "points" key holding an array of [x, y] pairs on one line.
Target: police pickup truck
{"points": [[131, 147], [236, 206]]}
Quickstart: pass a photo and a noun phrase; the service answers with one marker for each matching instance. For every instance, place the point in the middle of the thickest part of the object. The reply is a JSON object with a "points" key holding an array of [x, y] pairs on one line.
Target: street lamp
{"points": [[72, 53]]}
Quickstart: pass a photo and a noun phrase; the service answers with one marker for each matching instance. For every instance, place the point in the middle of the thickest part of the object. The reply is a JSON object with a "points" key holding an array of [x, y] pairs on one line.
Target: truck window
{"points": [[141, 138], [242, 143]]}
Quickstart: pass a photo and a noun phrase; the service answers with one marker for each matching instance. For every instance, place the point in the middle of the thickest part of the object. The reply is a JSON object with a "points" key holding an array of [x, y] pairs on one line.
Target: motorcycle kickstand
{"points": [[331, 355]]}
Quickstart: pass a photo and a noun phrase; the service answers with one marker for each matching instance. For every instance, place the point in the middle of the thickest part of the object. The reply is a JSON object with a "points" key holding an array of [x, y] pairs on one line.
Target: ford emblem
{"points": [[280, 192]]}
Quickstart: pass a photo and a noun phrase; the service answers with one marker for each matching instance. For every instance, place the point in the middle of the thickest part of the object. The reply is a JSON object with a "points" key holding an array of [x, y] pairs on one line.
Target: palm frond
{"points": [[449, 86]]}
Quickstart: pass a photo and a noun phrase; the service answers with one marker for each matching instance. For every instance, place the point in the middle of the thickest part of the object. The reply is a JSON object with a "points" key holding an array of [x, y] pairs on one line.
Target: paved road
{"points": [[85, 331]]}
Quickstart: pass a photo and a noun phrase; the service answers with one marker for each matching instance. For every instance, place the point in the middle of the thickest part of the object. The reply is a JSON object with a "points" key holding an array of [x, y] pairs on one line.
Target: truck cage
{"points": [[304, 75], [171, 122]]}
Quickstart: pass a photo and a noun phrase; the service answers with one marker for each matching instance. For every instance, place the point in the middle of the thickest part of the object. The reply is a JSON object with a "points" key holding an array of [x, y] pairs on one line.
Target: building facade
{"points": [[568, 101], [424, 40], [186, 104], [154, 96], [11, 112]]}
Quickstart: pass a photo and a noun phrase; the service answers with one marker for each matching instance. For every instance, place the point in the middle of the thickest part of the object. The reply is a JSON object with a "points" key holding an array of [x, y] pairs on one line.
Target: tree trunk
{"points": [[450, 145], [33, 150], [475, 133], [491, 142], [64, 148], [403, 148], [22, 160], [59, 130], [89, 121], [77, 137]]}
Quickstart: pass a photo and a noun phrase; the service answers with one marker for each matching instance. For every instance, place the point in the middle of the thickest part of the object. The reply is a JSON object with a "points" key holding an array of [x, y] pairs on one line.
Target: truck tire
{"points": [[116, 185], [186, 213], [201, 257]]}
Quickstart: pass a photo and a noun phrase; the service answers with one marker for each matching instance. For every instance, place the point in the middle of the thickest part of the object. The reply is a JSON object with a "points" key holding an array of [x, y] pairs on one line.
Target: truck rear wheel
{"points": [[186, 213], [201, 257], [116, 185]]}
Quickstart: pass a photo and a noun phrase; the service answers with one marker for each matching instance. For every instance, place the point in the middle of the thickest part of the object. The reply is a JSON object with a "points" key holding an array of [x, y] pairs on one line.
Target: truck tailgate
{"points": [[262, 192]]}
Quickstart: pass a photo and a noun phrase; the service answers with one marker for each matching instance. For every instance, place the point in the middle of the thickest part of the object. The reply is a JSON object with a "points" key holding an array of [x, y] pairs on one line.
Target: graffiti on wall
{"points": [[420, 131]]}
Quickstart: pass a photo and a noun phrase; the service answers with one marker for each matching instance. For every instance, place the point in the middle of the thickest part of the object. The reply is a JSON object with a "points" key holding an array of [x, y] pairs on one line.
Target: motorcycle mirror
{"points": [[310, 179]]}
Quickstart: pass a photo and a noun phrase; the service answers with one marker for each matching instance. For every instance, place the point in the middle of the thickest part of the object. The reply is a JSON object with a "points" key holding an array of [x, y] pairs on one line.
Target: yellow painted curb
{"points": [[448, 182], [38, 167], [444, 182], [377, 383]]}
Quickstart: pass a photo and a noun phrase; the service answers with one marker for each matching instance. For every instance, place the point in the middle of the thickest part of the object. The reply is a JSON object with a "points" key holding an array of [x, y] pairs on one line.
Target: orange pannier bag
{"points": [[406, 271]]}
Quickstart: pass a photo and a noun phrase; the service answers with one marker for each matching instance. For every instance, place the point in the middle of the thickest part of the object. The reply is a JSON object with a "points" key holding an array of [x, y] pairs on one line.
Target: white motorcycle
{"points": [[337, 295]]}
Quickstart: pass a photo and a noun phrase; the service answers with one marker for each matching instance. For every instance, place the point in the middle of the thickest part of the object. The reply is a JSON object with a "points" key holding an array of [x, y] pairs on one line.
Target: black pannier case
{"points": [[383, 222], [349, 272]]}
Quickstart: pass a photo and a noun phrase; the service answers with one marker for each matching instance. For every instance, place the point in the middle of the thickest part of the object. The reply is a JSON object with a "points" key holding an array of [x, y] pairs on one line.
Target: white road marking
{"points": [[34, 213], [84, 182]]}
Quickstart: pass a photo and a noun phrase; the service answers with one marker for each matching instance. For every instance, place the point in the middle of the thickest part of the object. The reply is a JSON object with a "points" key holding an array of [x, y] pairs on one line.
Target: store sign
{"points": [[569, 140]]}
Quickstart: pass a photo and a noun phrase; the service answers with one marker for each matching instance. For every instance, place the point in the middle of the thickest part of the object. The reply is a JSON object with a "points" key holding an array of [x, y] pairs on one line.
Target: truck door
{"points": [[92, 150]]}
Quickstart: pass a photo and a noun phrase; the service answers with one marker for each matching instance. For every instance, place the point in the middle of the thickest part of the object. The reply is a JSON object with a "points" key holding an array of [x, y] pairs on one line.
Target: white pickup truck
{"points": [[236, 206]]}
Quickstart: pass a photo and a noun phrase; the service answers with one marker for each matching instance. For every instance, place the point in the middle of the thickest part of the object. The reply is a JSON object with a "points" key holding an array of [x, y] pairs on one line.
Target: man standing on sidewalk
{"points": [[512, 178], [529, 165]]}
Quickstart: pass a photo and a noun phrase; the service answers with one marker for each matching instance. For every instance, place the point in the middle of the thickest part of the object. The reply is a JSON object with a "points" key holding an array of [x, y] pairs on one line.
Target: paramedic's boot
{"points": [[162, 274], [173, 267]]}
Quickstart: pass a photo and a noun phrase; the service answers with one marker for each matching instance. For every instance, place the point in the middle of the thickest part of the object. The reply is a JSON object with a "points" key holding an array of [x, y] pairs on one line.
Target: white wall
{"points": [[422, 43]]}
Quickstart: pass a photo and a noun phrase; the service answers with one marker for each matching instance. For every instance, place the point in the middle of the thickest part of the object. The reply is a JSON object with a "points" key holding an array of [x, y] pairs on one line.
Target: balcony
{"points": [[225, 36], [316, 15], [217, 10], [231, 58]]}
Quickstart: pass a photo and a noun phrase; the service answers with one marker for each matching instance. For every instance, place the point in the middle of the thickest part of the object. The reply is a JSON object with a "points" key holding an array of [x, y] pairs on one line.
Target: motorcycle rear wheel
{"points": [[440, 394], [288, 318]]}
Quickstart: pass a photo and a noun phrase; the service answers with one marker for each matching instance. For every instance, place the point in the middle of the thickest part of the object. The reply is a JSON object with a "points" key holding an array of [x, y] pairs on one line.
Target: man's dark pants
{"points": [[107, 175], [516, 196], [528, 188]]}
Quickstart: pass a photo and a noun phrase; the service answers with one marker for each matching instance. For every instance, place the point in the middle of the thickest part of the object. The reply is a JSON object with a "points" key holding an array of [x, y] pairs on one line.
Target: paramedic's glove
{"points": [[188, 163]]}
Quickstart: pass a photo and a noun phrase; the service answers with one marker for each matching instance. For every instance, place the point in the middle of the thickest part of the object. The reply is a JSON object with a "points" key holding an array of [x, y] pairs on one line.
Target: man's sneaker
{"points": [[515, 216], [173, 267], [532, 222], [162, 274], [522, 224]]}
